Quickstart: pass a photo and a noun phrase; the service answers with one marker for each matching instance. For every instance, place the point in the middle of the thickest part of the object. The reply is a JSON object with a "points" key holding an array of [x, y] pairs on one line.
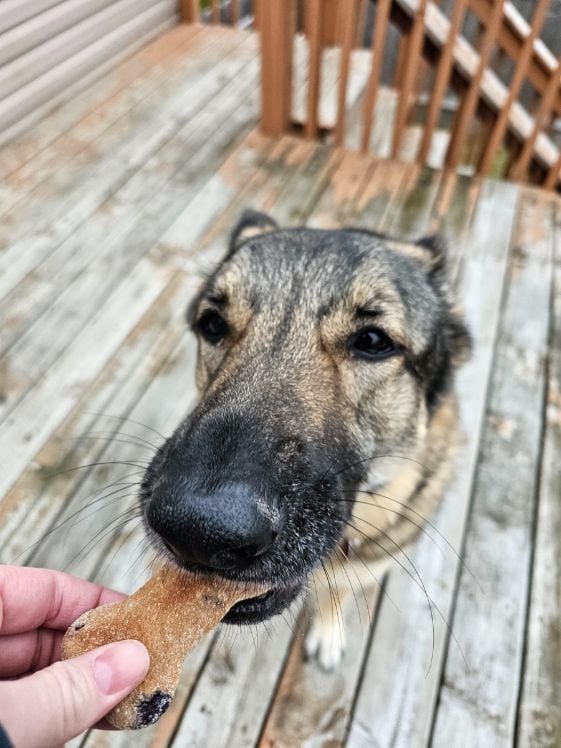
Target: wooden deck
{"points": [[111, 206]]}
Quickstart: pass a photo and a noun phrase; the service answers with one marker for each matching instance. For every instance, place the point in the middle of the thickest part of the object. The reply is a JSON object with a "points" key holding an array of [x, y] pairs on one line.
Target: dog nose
{"points": [[223, 530]]}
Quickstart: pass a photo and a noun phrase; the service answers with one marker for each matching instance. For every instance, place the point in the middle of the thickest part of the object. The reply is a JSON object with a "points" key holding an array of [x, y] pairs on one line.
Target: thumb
{"points": [[57, 703]]}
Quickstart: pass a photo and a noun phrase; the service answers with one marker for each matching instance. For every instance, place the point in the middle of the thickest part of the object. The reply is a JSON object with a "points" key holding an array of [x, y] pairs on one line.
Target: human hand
{"points": [[56, 701]]}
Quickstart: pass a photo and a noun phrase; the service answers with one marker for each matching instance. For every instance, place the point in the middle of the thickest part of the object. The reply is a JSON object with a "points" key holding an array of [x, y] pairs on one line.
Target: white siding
{"points": [[47, 47]]}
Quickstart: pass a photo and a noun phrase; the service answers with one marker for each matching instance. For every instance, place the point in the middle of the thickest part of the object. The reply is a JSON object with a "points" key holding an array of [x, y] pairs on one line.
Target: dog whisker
{"points": [[141, 465], [128, 420], [109, 433], [364, 460], [336, 612], [425, 520], [397, 561], [344, 567], [431, 603], [111, 527], [112, 440], [106, 498]]}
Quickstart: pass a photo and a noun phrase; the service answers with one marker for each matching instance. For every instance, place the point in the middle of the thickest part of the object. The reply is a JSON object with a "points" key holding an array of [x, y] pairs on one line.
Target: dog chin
{"points": [[265, 606]]}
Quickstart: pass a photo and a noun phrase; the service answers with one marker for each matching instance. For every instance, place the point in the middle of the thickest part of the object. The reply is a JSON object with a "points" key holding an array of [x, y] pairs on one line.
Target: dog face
{"points": [[318, 352]]}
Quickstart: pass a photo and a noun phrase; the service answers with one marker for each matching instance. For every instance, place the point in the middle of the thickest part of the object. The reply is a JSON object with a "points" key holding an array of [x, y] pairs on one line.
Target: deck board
{"points": [[116, 203], [482, 697]]}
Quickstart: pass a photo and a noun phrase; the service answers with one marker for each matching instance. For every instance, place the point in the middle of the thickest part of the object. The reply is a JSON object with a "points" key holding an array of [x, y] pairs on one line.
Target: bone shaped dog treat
{"points": [[169, 615]]}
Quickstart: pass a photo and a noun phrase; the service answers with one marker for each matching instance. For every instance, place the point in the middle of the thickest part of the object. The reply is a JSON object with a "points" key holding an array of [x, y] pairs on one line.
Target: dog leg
{"points": [[325, 640]]}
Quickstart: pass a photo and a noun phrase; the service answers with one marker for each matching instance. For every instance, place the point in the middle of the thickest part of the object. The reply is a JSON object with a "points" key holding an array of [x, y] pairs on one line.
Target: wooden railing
{"points": [[478, 77]]}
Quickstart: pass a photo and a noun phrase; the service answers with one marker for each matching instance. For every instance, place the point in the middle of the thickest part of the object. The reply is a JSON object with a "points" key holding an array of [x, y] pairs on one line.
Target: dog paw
{"points": [[325, 643]]}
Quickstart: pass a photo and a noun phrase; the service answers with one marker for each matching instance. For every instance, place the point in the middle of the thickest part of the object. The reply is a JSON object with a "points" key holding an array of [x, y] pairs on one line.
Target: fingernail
{"points": [[122, 665]]}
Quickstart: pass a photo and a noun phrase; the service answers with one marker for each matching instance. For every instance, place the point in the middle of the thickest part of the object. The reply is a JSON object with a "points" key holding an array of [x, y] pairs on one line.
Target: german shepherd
{"points": [[325, 371]]}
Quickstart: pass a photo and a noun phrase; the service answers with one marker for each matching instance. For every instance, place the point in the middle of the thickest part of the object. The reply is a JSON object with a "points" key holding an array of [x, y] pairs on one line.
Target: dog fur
{"points": [[345, 450]]}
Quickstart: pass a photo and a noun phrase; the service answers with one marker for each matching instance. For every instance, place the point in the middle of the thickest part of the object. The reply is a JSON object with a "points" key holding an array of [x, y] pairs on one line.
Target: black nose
{"points": [[226, 529]]}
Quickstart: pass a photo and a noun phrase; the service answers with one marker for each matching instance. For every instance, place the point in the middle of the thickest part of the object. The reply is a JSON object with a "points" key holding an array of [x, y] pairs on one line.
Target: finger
{"points": [[69, 697], [34, 598], [25, 653]]}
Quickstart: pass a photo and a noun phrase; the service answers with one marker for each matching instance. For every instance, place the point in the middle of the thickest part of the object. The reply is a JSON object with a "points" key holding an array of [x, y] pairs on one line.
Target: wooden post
{"points": [[276, 20], [553, 176], [189, 11], [411, 60], [442, 79], [235, 12], [314, 21], [373, 85], [349, 34], [215, 11]]}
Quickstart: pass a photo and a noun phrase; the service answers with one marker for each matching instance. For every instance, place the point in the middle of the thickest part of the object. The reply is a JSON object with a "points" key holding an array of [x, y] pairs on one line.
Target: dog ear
{"points": [[457, 334], [437, 250], [251, 223]]}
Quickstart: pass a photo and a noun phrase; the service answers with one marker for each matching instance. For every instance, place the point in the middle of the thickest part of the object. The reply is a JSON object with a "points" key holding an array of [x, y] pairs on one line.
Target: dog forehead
{"points": [[320, 268], [306, 263]]}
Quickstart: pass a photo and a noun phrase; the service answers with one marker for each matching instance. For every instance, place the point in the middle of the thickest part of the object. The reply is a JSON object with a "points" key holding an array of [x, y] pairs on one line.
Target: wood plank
{"points": [[43, 26], [128, 234], [112, 241], [101, 67], [540, 704], [129, 98], [328, 82], [58, 123], [30, 423], [42, 178], [49, 480], [410, 218], [53, 220], [47, 86], [41, 57], [336, 205], [479, 697], [397, 680], [14, 12]]}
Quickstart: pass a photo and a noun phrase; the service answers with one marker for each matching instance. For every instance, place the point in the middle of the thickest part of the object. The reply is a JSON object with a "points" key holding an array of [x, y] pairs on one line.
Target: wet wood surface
{"points": [[112, 207]]}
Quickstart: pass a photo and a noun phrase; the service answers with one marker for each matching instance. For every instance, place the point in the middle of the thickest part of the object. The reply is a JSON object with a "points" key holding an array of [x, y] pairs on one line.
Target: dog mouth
{"points": [[262, 607]]}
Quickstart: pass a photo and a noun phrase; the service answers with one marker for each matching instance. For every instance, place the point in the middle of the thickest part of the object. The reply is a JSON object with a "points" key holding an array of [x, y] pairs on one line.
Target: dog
{"points": [[326, 418]]}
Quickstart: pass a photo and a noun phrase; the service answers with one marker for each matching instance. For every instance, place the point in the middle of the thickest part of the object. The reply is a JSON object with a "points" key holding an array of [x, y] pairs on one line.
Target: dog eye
{"points": [[371, 344], [212, 327]]}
